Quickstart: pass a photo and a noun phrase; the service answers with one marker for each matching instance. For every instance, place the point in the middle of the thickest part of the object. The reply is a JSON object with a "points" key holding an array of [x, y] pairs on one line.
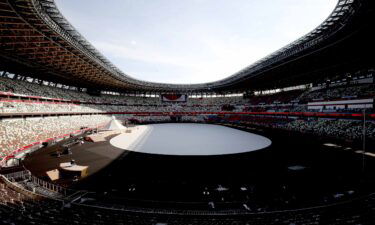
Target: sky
{"points": [[191, 41]]}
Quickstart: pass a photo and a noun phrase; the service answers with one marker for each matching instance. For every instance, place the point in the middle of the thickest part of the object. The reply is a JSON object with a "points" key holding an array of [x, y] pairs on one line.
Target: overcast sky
{"points": [[191, 41]]}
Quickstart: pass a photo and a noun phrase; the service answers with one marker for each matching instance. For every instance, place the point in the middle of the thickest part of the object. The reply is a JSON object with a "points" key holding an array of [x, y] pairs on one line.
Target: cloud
{"points": [[221, 59], [192, 41]]}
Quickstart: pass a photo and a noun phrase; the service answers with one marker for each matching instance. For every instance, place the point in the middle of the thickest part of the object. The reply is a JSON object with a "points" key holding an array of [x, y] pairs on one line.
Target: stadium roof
{"points": [[37, 41]]}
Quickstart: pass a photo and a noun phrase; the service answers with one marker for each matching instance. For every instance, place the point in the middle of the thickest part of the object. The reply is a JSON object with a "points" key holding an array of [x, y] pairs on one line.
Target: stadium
{"points": [[290, 139]]}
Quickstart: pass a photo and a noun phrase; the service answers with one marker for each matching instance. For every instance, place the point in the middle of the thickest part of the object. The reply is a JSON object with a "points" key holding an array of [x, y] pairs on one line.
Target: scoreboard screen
{"points": [[173, 98]]}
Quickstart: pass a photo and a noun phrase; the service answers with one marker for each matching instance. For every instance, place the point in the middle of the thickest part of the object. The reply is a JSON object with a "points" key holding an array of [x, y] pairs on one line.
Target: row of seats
{"points": [[287, 97], [17, 133], [336, 128], [19, 207]]}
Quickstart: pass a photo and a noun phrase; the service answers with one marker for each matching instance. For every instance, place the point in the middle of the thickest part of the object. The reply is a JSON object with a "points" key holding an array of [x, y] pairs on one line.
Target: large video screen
{"points": [[174, 98]]}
